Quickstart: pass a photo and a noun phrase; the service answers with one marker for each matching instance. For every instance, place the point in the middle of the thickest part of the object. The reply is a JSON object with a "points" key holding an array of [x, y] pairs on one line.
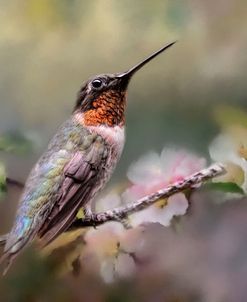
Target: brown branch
{"points": [[3, 239], [121, 213], [14, 182]]}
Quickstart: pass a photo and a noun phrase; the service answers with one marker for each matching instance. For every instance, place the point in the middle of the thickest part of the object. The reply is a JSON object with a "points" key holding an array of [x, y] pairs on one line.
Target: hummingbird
{"points": [[78, 162]]}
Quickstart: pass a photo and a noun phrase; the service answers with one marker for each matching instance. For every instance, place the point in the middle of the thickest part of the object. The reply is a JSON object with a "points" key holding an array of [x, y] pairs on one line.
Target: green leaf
{"points": [[227, 187]]}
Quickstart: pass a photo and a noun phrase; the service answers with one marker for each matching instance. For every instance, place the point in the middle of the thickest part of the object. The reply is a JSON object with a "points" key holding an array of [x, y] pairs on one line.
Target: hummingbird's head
{"points": [[102, 99]]}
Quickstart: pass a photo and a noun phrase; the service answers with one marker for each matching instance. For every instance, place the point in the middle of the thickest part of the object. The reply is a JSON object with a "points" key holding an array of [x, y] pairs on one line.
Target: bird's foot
{"points": [[87, 211]]}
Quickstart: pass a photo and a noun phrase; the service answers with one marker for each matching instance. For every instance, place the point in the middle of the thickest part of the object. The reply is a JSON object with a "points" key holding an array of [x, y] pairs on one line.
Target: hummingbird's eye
{"points": [[97, 83]]}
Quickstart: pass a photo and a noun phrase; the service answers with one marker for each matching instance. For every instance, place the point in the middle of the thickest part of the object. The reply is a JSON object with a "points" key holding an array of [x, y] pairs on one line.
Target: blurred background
{"points": [[49, 47]]}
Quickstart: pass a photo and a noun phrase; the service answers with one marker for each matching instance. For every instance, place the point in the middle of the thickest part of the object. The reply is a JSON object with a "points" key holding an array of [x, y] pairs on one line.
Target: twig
{"points": [[14, 182], [3, 239], [119, 214]]}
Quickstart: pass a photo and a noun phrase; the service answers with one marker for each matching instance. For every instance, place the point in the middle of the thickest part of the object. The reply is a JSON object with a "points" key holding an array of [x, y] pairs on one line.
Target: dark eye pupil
{"points": [[97, 83]]}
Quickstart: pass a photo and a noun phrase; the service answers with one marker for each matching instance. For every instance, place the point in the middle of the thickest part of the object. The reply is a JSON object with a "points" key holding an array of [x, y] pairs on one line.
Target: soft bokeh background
{"points": [[49, 47]]}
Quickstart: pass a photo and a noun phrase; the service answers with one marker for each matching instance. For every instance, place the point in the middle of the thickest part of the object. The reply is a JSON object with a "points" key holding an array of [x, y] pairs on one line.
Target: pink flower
{"points": [[153, 172], [105, 244], [110, 247], [162, 212]]}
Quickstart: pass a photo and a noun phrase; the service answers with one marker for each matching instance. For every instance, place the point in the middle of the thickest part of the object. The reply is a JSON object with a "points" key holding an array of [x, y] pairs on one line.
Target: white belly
{"points": [[115, 136]]}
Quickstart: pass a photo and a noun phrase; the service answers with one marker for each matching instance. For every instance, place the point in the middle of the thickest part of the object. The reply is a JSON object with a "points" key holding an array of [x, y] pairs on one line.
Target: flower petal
{"points": [[125, 265], [177, 205], [145, 170]]}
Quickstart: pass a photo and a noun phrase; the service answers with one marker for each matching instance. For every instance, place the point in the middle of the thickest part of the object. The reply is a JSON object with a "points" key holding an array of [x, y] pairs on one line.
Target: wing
{"points": [[82, 179], [78, 184]]}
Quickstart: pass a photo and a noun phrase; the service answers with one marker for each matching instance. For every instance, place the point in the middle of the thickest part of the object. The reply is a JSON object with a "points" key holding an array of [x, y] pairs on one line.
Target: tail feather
{"points": [[11, 250], [7, 256], [6, 260]]}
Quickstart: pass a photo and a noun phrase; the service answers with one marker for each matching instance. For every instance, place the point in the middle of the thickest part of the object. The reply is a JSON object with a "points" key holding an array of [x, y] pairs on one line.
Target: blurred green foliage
{"points": [[2, 179], [227, 116], [49, 47], [15, 143]]}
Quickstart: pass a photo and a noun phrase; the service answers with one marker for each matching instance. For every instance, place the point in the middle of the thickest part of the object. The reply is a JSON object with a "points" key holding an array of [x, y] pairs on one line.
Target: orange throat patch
{"points": [[108, 109]]}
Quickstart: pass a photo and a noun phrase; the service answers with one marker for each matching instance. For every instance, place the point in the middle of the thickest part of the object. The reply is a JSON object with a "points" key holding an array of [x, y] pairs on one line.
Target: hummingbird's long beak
{"points": [[127, 75]]}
